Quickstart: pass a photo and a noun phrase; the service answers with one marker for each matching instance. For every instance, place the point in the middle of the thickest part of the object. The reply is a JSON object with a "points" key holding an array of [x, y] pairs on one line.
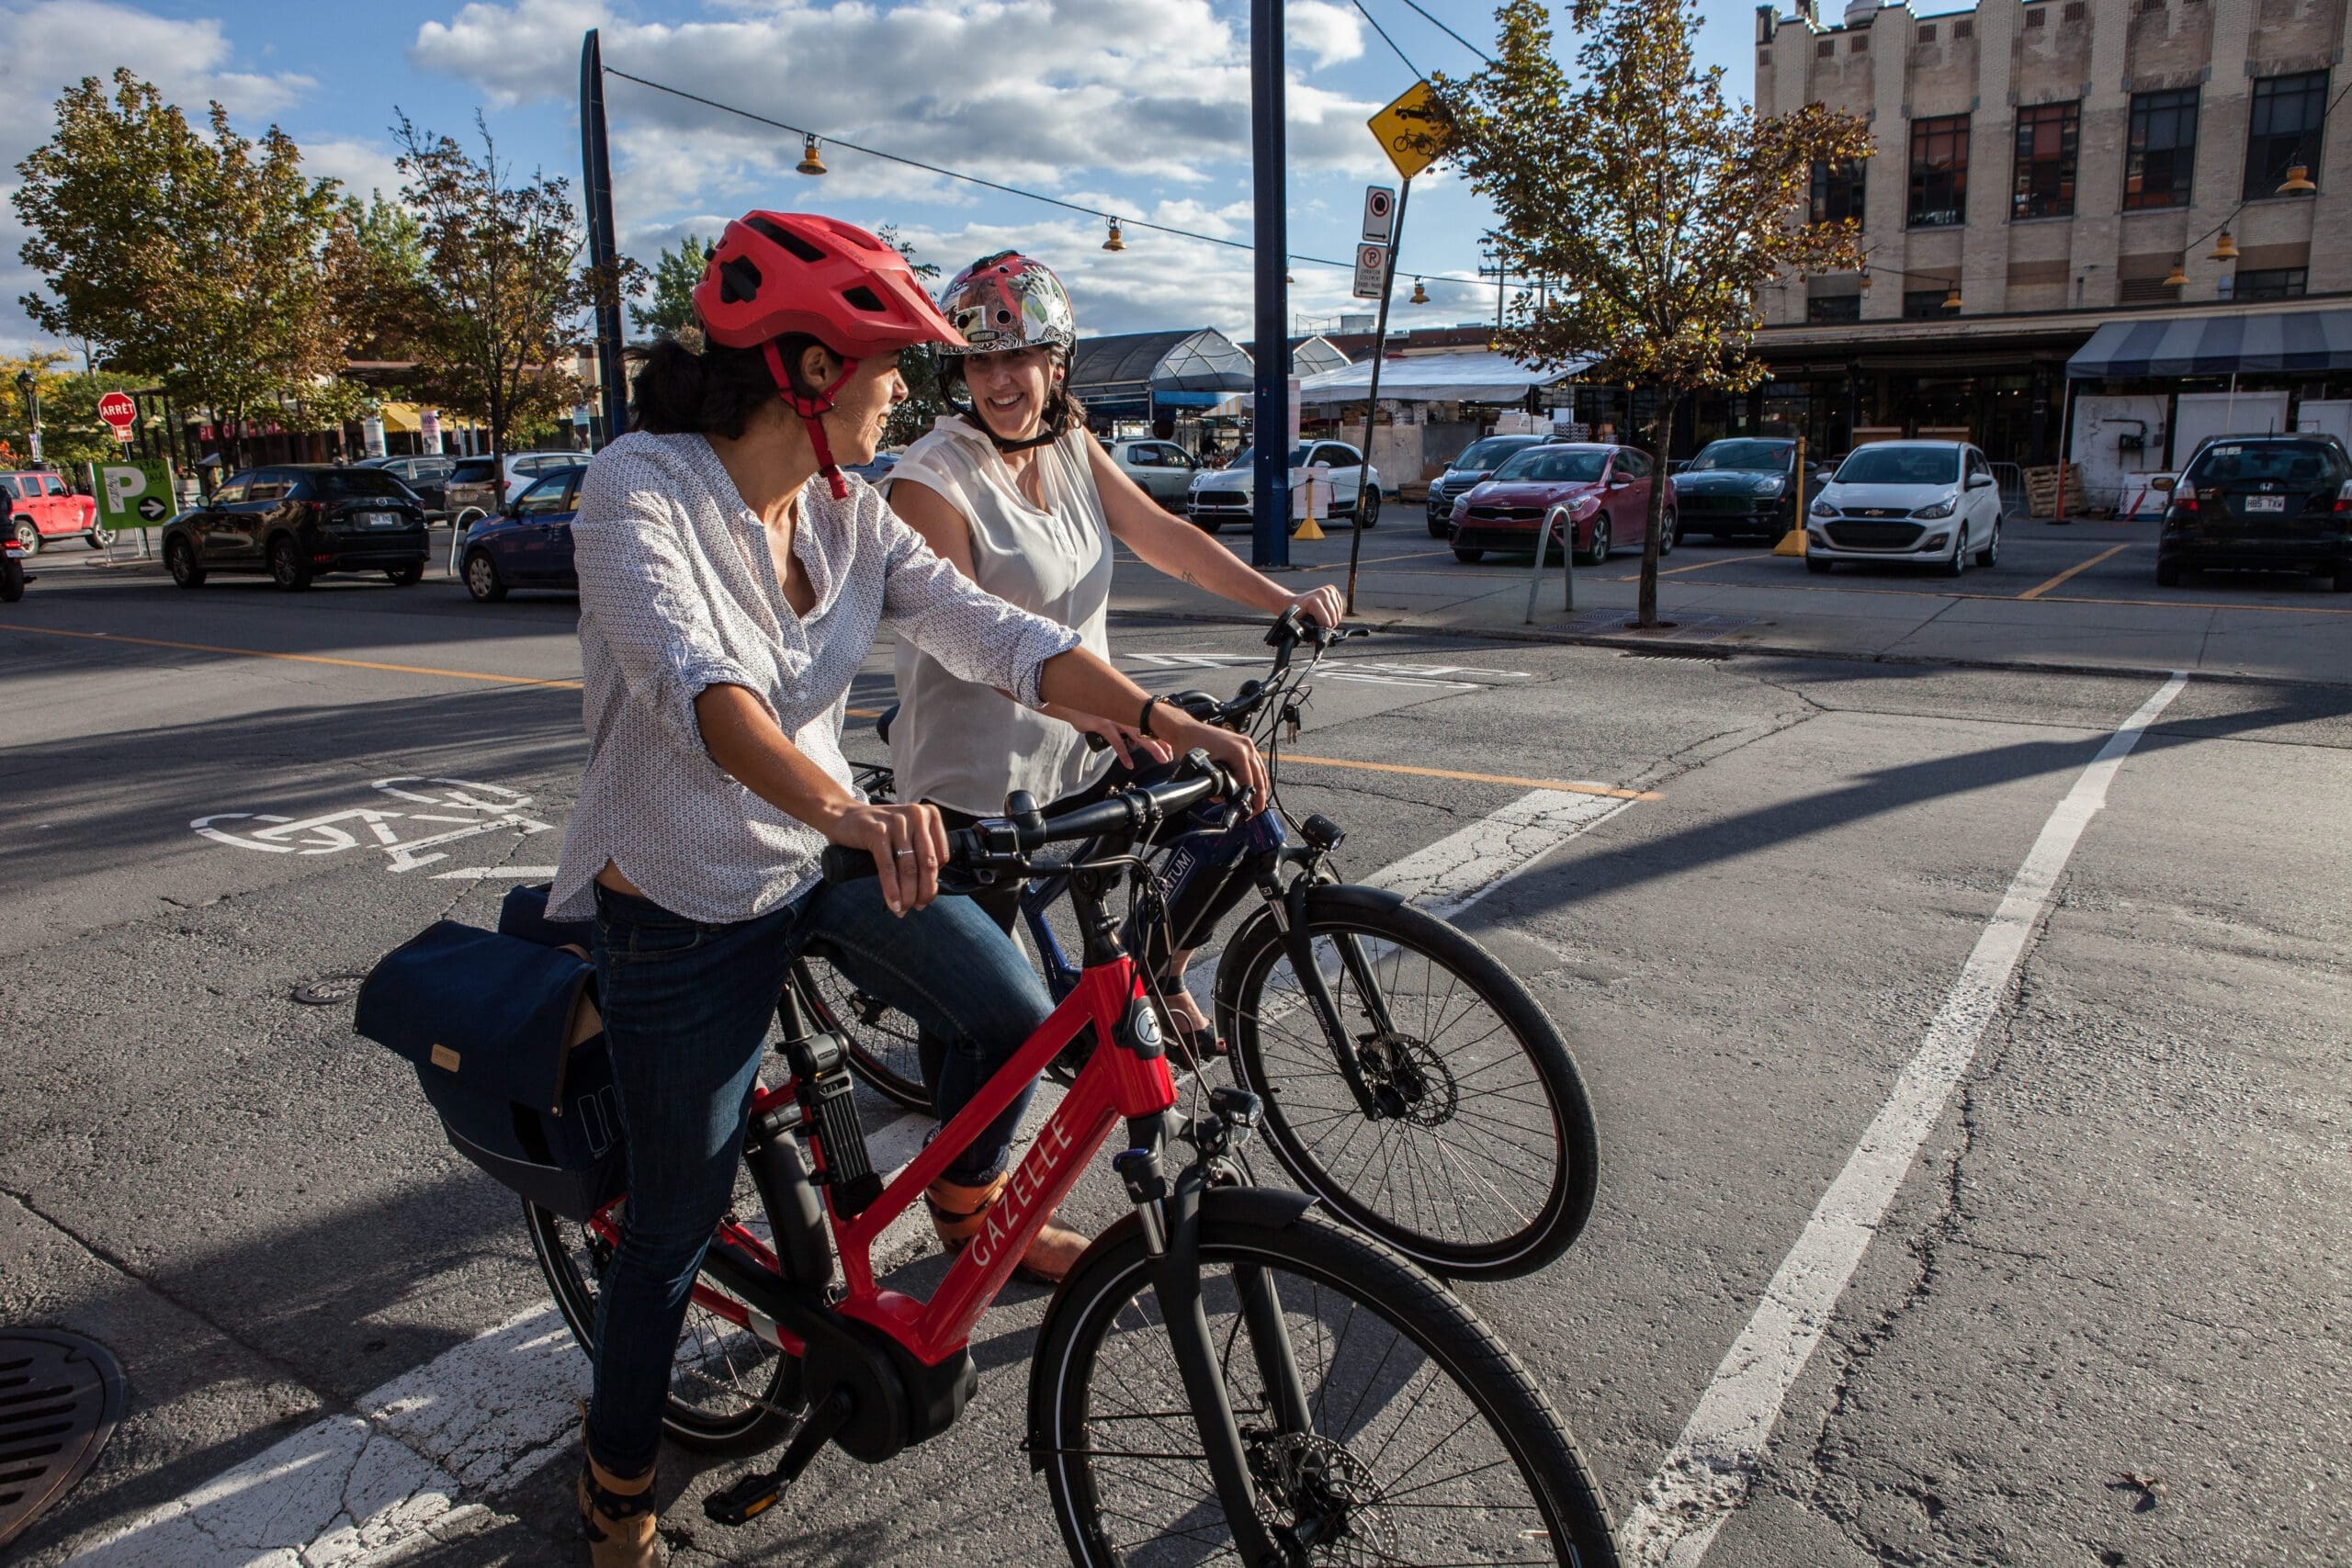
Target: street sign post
{"points": [[1415, 130], [120, 413], [1392, 223]]}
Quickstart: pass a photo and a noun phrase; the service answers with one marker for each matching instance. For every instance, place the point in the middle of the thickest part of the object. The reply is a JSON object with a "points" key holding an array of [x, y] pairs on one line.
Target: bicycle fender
{"points": [[1260, 930], [1116, 1250]]}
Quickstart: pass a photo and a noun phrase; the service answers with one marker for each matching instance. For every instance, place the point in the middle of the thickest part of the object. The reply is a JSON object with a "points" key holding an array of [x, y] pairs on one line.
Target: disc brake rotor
{"points": [[1411, 1082], [1312, 1485]]}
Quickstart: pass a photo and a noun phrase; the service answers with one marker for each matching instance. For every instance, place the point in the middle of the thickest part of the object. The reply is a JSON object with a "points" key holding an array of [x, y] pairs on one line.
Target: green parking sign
{"points": [[135, 493]]}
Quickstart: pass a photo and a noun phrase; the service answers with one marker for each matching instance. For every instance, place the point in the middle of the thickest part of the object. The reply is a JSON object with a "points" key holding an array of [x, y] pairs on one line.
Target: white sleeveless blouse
{"points": [[967, 746]]}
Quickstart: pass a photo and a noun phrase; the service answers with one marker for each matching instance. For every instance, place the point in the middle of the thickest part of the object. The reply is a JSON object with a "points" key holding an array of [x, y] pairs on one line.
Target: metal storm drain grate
{"points": [[59, 1397]]}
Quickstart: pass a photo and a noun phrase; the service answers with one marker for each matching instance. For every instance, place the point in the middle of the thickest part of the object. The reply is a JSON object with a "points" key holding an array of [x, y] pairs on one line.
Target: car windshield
{"points": [[1243, 459], [1763, 456], [1901, 466], [344, 484], [1552, 465], [1490, 452], [2264, 462]]}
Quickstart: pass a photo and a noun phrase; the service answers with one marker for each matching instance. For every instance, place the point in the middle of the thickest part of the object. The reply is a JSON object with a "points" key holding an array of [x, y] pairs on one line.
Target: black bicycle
{"points": [[1410, 1080]]}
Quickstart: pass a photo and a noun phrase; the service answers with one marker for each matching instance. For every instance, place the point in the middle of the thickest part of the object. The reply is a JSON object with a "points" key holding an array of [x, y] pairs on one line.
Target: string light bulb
{"points": [[1420, 294], [2298, 181], [810, 164], [1952, 299], [2175, 279], [1114, 242], [2224, 248]]}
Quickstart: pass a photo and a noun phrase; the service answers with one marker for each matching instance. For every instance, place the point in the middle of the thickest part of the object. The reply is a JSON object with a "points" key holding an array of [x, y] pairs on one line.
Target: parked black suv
{"points": [[2261, 503], [296, 521]]}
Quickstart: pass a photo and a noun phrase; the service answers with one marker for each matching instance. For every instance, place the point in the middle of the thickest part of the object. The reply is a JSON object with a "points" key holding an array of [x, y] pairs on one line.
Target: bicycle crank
{"points": [[756, 1494]]}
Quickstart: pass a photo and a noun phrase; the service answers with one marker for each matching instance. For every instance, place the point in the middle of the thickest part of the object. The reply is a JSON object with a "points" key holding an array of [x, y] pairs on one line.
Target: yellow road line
{"points": [[1694, 566], [438, 673], [2039, 589], [1564, 786]]}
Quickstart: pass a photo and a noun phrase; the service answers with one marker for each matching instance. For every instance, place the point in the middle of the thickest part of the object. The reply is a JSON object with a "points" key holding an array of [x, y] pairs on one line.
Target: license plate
{"points": [[2265, 503], [380, 519]]}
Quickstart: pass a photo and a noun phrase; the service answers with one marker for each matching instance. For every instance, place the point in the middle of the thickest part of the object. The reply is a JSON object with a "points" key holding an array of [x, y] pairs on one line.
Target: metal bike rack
{"points": [[459, 526], [1557, 524]]}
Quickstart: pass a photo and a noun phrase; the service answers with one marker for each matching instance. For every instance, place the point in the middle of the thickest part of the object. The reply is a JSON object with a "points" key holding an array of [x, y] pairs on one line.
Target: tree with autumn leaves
{"points": [[1665, 206]]}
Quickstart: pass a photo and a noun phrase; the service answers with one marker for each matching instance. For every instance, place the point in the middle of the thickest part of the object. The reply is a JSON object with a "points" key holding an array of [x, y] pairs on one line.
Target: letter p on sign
{"points": [[122, 482]]}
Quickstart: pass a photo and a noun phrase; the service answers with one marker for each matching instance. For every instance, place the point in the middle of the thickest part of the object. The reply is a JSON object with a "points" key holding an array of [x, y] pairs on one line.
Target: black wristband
{"points": [[1143, 723]]}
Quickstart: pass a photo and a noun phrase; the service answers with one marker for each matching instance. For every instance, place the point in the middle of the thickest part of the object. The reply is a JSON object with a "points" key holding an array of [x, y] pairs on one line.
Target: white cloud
{"points": [[363, 167], [1331, 33]]}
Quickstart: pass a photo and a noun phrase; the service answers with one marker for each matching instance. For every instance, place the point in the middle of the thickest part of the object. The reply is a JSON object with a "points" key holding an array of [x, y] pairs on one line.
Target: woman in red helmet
{"points": [[1023, 499], [725, 601]]}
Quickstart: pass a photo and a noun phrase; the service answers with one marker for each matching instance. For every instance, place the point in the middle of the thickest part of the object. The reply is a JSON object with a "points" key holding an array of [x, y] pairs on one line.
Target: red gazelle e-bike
{"points": [[1227, 1374]]}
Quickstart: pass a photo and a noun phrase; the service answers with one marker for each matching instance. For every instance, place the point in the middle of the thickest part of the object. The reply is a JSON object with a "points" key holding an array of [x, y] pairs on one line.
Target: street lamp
{"points": [[2298, 181], [2177, 277], [2224, 249], [1116, 241], [811, 163], [1420, 294], [30, 389]]}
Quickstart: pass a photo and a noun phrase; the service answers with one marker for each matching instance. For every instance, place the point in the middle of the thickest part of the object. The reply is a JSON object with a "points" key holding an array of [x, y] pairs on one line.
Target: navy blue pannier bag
{"points": [[503, 1030]]}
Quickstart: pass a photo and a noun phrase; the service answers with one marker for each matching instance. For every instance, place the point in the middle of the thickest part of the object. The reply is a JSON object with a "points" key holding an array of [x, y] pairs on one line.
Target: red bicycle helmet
{"points": [[774, 274]]}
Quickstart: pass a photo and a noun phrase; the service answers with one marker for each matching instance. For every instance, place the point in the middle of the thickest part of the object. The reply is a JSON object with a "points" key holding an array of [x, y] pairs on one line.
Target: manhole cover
{"points": [[328, 989], [60, 1396]]}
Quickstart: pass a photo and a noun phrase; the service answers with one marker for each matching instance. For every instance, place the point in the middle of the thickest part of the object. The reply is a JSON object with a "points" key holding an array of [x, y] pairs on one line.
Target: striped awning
{"points": [[2217, 345]]}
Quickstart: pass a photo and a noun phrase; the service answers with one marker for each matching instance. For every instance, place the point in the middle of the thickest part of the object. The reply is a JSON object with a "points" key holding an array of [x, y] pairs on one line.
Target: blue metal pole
{"points": [[1270, 420]]}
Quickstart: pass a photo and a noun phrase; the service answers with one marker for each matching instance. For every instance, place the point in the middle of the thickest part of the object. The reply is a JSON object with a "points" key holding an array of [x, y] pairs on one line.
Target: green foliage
{"points": [[671, 307], [498, 309], [926, 395], [70, 431], [1663, 206], [193, 261], [375, 258]]}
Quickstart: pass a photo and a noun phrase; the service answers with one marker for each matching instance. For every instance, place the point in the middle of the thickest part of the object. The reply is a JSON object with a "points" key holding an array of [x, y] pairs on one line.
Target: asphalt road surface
{"points": [[1969, 1048]]}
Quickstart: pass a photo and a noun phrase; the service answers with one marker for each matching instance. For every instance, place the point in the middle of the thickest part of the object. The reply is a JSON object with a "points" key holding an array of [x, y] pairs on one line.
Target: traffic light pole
{"points": [[596, 194], [1270, 416]]}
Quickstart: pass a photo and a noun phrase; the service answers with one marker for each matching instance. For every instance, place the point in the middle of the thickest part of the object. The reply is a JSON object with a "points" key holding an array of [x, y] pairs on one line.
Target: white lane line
{"points": [[482, 1417], [485, 873], [1713, 1464]]}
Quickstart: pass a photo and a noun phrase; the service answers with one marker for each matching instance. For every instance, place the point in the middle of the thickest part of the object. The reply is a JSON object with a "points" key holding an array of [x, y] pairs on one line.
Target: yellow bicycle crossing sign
{"points": [[1415, 130]]}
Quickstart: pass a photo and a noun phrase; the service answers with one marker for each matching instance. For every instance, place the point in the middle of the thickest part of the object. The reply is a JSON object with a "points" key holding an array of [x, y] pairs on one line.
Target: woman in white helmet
{"points": [[1017, 493]]}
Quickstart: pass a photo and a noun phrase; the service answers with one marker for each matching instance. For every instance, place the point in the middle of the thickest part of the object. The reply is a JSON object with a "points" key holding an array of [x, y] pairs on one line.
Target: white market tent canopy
{"points": [[1476, 376]]}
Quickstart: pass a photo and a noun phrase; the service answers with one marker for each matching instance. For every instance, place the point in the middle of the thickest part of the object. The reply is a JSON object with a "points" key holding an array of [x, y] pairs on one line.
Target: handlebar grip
{"points": [[843, 864]]}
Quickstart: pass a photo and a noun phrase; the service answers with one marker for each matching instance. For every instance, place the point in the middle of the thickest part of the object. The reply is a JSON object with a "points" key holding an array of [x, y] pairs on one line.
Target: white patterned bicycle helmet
{"points": [[1008, 302]]}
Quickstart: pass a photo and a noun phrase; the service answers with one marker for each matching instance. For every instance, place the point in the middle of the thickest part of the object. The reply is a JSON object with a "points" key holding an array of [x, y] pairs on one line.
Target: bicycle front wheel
{"points": [[1414, 1436], [1473, 1151]]}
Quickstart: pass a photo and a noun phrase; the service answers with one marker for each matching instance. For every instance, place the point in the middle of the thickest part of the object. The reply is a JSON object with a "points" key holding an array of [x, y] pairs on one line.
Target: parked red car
{"points": [[43, 508], [1605, 488]]}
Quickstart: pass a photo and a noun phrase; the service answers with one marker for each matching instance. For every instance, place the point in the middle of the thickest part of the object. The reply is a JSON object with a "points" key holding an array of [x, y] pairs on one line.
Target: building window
{"points": [[2284, 130], [1837, 192], [1825, 49], [1938, 171], [1862, 44], [1824, 309], [1927, 32], [2045, 173], [2036, 19], [2274, 283], [1926, 304], [2162, 150], [1963, 27]]}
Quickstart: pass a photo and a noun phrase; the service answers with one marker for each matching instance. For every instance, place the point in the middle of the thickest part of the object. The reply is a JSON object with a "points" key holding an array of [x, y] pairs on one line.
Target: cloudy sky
{"points": [[1136, 106]]}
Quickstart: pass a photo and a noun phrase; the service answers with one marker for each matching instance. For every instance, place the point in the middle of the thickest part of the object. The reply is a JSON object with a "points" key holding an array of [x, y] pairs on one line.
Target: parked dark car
{"points": [[1742, 487], [297, 521], [2261, 503], [425, 475], [1474, 467], [529, 544]]}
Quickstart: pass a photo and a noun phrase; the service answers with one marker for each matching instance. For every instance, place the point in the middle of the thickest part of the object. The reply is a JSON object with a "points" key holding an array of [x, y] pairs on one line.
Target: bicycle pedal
{"points": [[746, 1500]]}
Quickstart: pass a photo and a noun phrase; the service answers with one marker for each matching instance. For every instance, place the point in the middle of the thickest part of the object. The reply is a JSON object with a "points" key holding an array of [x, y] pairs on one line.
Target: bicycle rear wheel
{"points": [[1479, 1157], [730, 1390], [884, 1048], [1424, 1441]]}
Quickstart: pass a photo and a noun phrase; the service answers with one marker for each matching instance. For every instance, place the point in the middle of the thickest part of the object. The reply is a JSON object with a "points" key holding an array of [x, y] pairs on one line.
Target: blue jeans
{"points": [[686, 1009]]}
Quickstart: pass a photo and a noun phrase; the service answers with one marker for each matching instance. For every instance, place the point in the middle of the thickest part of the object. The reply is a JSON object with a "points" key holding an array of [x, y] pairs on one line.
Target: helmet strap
{"points": [[1056, 424], [811, 410]]}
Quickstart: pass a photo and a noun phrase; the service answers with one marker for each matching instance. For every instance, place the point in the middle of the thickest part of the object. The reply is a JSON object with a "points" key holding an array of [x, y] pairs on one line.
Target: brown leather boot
{"points": [[618, 1517], [960, 1213]]}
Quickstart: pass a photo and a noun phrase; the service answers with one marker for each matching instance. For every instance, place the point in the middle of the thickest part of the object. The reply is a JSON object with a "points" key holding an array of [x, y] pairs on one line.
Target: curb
{"points": [[1718, 653]]}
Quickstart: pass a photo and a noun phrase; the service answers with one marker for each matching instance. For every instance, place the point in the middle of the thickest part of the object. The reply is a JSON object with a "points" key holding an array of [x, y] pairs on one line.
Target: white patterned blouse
{"points": [[678, 593]]}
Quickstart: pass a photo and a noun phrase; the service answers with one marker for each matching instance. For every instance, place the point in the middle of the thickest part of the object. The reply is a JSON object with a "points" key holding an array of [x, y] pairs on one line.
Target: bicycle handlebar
{"points": [[1004, 843]]}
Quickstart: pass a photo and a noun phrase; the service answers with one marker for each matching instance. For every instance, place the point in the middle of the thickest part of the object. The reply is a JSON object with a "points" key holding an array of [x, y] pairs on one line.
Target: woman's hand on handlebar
{"points": [[1238, 754], [1132, 747], [908, 844], [1322, 605]]}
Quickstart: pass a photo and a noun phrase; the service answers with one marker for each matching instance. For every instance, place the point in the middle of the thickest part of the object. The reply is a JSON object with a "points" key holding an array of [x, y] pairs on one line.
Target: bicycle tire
{"points": [[1315, 1265], [885, 1052], [1313, 1121], [568, 1255]]}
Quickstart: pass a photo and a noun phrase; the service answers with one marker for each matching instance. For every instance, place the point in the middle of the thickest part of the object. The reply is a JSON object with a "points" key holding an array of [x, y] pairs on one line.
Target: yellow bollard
{"points": [[1792, 542]]}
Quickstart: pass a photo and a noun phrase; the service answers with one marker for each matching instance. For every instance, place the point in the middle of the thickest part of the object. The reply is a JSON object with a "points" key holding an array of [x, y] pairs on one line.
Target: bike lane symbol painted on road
{"points": [[466, 810]]}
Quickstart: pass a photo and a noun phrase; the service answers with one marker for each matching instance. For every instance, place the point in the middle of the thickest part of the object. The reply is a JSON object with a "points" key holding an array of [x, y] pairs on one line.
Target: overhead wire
{"points": [[1450, 33], [1375, 24]]}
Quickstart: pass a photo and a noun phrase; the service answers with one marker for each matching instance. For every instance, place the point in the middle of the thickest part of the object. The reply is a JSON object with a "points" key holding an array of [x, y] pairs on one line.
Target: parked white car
{"points": [[1222, 496], [1163, 469], [1928, 502]]}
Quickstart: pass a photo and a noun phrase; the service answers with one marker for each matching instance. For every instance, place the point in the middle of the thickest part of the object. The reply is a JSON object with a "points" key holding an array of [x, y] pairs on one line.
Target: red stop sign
{"points": [[118, 410]]}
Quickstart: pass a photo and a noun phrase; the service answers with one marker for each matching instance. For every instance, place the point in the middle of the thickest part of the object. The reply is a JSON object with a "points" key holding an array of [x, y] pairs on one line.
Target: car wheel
{"points": [[1991, 553], [2343, 584], [2167, 574], [179, 560], [1467, 555], [482, 578], [1599, 554], [1368, 509], [1820, 566], [287, 567], [28, 536], [1670, 535], [1957, 565], [407, 576], [12, 581], [99, 538]]}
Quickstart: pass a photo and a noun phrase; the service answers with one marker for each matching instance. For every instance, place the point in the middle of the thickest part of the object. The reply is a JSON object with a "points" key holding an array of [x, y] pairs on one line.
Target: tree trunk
{"points": [[1661, 440]]}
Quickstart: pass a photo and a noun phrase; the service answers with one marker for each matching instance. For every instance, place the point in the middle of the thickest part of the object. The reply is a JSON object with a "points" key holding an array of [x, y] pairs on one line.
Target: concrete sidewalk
{"points": [[2059, 600]]}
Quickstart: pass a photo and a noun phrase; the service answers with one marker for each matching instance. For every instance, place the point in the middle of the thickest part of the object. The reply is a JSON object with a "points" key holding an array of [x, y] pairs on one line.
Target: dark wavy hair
{"points": [[686, 386]]}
